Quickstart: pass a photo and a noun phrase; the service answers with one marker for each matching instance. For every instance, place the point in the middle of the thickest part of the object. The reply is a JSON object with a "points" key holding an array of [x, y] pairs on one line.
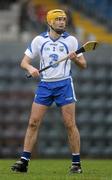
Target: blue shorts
{"points": [[60, 92]]}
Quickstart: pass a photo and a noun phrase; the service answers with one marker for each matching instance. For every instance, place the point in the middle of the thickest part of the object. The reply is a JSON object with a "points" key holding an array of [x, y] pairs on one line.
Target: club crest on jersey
{"points": [[61, 48]]}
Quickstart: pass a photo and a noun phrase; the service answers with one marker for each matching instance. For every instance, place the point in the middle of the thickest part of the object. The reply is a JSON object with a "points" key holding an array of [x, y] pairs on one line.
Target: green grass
{"points": [[58, 170]]}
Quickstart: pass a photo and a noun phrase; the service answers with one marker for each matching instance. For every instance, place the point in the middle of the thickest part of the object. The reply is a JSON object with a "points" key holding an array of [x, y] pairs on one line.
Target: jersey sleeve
{"points": [[32, 50]]}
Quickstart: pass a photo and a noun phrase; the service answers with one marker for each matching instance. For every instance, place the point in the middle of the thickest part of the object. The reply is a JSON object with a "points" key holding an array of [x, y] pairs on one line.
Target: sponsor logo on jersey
{"points": [[53, 59]]}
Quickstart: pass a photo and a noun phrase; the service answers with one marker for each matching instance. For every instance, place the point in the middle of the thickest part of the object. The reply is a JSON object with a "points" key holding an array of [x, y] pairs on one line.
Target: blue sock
{"points": [[75, 158], [26, 155]]}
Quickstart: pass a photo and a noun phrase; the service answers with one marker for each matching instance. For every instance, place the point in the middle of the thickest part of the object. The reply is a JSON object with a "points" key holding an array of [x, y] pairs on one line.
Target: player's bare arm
{"points": [[25, 64], [79, 61]]}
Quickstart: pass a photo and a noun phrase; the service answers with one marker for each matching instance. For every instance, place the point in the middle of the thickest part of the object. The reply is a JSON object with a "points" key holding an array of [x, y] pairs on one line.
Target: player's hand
{"points": [[72, 55], [34, 72]]}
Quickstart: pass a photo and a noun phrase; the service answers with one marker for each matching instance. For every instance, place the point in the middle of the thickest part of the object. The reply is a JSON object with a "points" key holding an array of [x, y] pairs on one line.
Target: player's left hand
{"points": [[72, 55]]}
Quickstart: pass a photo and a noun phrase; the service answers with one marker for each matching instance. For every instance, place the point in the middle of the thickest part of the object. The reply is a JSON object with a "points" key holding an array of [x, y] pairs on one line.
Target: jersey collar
{"points": [[46, 34]]}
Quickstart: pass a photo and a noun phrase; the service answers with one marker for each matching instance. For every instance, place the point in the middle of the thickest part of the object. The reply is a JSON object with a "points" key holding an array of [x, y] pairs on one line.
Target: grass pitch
{"points": [[50, 169]]}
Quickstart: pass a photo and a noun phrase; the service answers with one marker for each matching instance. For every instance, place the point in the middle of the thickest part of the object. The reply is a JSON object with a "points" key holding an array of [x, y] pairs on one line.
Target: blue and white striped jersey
{"points": [[49, 51]]}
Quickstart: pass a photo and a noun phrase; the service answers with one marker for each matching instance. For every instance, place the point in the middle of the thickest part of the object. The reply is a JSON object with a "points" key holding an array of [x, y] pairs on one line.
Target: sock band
{"points": [[26, 155], [75, 158]]}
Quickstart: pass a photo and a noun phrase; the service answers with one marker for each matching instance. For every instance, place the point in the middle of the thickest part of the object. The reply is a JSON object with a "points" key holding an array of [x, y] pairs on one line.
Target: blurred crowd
{"points": [[6, 4], [32, 17]]}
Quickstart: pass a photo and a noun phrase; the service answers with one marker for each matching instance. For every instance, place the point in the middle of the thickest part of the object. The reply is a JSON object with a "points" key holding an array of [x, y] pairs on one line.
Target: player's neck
{"points": [[54, 35]]}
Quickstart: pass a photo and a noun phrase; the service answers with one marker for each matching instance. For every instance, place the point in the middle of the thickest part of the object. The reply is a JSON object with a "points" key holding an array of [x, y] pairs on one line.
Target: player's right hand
{"points": [[34, 72]]}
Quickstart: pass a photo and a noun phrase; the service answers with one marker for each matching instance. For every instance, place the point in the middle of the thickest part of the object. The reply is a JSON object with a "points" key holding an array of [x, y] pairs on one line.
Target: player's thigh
{"points": [[37, 112], [68, 112]]}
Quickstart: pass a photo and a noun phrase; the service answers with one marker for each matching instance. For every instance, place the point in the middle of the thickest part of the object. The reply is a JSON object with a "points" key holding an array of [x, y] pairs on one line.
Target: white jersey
{"points": [[49, 51]]}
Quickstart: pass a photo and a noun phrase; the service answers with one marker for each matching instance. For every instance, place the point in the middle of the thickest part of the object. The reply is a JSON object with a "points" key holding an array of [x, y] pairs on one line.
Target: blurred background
{"points": [[20, 22]]}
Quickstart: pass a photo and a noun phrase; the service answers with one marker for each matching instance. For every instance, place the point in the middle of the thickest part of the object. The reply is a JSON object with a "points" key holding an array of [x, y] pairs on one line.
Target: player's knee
{"points": [[34, 124], [69, 124]]}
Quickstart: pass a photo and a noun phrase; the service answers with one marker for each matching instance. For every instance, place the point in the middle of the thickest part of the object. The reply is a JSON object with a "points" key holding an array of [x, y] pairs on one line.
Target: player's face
{"points": [[59, 23]]}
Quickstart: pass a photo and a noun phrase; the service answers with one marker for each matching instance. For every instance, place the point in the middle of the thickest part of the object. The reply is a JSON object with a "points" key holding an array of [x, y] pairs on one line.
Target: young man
{"points": [[55, 86]]}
